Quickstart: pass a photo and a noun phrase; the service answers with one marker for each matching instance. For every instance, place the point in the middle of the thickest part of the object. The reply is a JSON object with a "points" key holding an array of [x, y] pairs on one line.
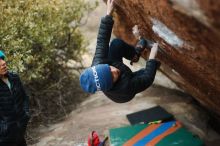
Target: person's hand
{"points": [[110, 7], [136, 32], [153, 51]]}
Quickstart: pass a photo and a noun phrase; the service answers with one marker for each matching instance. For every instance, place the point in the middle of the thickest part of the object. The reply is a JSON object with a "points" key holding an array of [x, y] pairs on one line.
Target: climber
{"points": [[109, 74]]}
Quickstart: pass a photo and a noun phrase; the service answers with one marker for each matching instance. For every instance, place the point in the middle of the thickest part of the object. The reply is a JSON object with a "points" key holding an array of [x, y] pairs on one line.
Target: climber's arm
{"points": [[144, 78], [153, 52], [104, 35]]}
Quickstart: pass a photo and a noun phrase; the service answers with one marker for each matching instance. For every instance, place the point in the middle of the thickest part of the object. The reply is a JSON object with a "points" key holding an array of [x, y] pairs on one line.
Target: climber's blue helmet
{"points": [[2, 55], [96, 78]]}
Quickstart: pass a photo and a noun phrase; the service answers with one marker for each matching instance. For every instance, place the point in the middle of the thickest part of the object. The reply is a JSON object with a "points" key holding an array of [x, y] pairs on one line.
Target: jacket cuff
{"points": [[154, 61], [107, 19]]}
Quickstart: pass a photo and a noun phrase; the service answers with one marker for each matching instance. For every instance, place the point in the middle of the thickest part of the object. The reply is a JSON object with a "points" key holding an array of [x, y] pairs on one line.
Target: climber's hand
{"points": [[153, 51], [110, 7]]}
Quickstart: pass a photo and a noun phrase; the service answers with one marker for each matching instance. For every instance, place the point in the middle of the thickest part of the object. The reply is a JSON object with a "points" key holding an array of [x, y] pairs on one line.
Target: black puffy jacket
{"points": [[14, 110], [129, 83]]}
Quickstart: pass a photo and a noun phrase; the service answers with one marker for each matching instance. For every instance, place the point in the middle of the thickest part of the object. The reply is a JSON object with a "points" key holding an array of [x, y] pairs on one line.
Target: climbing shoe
{"points": [[142, 44]]}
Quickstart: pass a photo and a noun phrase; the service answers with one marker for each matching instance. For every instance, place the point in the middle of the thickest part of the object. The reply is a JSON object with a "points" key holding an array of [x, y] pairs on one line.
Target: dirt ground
{"points": [[100, 114]]}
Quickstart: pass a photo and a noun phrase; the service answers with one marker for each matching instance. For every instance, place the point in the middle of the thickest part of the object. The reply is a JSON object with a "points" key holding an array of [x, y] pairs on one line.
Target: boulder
{"points": [[188, 31]]}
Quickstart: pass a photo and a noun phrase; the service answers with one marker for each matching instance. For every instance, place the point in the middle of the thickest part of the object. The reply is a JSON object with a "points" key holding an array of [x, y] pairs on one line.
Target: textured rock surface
{"points": [[189, 33]]}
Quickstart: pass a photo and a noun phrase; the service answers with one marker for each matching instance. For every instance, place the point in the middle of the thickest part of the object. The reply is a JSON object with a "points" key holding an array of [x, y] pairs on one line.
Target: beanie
{"points": [[96, 78], [2, 55]]}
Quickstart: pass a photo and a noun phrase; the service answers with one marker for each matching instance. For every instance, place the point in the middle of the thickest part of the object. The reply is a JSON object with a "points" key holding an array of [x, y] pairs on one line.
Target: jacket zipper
{"points": [[7, 85]]}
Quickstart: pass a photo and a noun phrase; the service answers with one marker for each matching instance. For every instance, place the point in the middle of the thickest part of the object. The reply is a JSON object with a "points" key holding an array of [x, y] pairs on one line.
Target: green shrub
{"points": [[35, 32], [39, 38]]}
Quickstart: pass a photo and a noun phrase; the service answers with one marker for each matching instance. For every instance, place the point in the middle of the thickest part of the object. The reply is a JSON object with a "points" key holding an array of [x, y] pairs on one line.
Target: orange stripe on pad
{"points": [[168, 132], [141, 134]]}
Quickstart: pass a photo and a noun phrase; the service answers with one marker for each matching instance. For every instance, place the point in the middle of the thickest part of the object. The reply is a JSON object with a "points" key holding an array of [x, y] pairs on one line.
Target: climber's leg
{"points": [[119, 49]]}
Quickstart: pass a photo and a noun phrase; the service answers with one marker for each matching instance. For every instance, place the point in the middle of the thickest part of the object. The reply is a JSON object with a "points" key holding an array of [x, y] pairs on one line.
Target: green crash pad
{"points": [[165, 134]]}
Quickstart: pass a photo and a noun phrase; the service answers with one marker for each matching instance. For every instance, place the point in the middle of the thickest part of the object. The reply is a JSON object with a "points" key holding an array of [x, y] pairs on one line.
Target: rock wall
{"points": [[189, 33]]}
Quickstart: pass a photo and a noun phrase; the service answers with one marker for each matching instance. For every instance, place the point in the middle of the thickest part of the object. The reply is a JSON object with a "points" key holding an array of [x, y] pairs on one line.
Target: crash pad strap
{"points": [[141, 134], [163, 134], [166, 133], [160, 130], [153, 134], [181, 138]]}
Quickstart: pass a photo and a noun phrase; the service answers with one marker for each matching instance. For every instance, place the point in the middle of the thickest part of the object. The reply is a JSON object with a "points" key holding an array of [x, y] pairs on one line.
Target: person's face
{"points": [[115, 73], [3, 67]]}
